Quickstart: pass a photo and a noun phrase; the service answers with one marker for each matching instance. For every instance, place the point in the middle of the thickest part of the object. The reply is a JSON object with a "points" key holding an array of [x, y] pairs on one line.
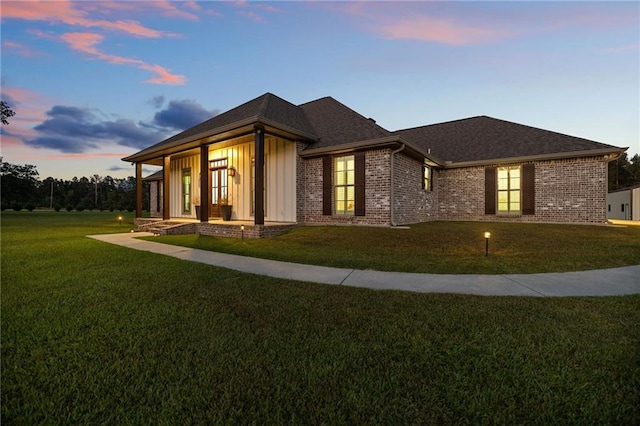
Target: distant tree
{"points": [[19, 184], [5, 112], [96, 180], [634, 170]]}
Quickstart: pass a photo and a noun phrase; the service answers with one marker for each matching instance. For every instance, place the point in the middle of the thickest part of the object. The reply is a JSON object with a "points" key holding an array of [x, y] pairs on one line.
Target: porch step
{"points": [[170, 228]]}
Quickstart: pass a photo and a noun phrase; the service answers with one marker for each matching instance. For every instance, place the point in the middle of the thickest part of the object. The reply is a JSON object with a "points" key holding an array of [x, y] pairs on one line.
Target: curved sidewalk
{"points": [[606, 282]]}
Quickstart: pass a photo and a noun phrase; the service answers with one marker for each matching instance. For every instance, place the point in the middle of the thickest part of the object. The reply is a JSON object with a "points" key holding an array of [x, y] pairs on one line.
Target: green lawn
{"points": [[441, 247], [99, 334]]}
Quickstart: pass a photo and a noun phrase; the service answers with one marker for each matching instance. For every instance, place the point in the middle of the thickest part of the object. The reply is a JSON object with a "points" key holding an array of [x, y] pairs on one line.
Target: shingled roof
{"points": [[326, 124], [336, 124], [485, 138], [266, 107]]}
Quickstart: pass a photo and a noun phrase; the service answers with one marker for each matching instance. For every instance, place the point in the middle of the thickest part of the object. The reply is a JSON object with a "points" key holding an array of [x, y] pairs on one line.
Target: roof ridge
{"points": [[443, 122]]}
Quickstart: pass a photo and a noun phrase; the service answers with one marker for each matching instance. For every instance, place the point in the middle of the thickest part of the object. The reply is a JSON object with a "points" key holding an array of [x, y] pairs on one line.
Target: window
{"points": [[186, 190], [622, 208], [344, 185], [427, 183], [509, 190]]}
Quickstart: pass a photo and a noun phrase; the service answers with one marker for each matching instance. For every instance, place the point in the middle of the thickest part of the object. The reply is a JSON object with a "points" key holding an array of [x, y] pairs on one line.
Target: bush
{"points": [[69, 207], [80, 207], [30, 206], [17, 207], [57, 207]]}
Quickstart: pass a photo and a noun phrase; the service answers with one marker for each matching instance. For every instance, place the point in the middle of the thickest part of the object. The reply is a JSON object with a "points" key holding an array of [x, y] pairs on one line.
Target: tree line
{"points": [[22, 189], [624, 173]]}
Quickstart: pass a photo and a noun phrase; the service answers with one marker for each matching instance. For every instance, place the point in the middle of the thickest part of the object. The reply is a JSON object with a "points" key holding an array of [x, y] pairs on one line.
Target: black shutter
{"points": [[359, 184], [490, 190], [528, 189], [326, 186]]}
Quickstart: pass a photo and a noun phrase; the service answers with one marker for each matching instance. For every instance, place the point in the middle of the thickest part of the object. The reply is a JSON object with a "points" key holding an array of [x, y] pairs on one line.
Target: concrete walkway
{"points": [[607, 282]]}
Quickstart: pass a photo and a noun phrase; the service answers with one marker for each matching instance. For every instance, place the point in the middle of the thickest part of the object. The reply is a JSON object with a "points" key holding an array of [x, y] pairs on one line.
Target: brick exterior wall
{"points": [[250, 231], [411, 202], [301, 179], [377, 200], [572, 190], [153, 199], [461, 194], [566, 191]]}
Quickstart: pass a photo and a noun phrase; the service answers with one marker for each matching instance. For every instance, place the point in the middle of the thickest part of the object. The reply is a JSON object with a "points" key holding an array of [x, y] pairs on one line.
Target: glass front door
{"points": [[219, 194]]}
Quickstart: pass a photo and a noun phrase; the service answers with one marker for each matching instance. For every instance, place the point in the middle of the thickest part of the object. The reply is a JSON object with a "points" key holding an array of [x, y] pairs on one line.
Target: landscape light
{"points": [[487, 235], [120, 219], [242, 229]]}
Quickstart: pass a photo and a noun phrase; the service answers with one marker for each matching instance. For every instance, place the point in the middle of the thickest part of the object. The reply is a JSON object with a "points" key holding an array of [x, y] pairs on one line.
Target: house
{"points": [[624, 204], [280, 164]]}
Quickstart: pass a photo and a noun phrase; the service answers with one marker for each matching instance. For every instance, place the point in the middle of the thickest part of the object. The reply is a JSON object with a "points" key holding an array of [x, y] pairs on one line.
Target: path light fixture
{"points": [[487, 235], [242, 229], [120, 219]]}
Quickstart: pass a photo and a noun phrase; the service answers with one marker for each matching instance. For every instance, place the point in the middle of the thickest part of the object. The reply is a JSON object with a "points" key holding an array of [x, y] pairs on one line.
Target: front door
{"points": [[219, 194]]}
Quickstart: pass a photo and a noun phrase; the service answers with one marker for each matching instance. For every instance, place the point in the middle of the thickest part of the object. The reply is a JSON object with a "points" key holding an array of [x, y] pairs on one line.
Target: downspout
{"points": [[393, 222]]}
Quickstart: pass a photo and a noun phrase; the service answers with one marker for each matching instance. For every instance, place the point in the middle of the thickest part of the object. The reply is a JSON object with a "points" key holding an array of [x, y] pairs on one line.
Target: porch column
{"points": [[259, 176], [166, 172], [138, 190], [204, 184]]}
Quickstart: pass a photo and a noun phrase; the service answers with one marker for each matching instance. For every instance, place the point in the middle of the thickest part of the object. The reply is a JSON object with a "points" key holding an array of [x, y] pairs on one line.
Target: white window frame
{"points": [[509, 191], [344, 185]]}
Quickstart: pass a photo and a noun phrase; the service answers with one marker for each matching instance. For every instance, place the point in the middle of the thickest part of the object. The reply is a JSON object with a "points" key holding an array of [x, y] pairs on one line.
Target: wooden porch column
{"points": [[204, 184], [259, 175], [166, 202], [138, 190]]}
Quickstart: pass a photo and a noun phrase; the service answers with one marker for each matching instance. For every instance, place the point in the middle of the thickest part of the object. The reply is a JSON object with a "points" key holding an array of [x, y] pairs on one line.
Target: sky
{"points": [[92, 82]]}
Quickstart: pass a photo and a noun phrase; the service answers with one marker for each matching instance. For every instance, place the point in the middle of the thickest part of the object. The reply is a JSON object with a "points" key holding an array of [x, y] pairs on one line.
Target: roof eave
{"points": [[386, 141], [233, 130], [609, 154]]}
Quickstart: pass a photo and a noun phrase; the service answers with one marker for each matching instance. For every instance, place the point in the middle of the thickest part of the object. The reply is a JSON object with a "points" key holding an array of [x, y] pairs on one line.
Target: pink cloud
{"points": [[67, 12], [163, 75], [252, 15], [169, 9], [626, 48], [440, 30], [19, 49], [30, 108], [87, 44]]}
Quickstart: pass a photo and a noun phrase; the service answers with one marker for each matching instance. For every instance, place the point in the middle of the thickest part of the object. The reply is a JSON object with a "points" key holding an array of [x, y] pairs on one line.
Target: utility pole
{"points": [[51, 206]]}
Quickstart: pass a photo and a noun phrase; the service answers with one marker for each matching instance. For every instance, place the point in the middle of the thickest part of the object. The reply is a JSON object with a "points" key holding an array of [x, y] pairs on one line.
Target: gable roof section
{"points": [[265, 109], [336, 124], [483, 139]]}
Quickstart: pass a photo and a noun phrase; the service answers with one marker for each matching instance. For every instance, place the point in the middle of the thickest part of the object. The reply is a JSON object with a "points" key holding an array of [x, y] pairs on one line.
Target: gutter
{"points": [[393, 154], [608, 154]]}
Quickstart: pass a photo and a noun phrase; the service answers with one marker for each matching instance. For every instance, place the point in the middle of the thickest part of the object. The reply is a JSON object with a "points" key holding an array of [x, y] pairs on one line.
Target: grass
{"points": [[100, 334], [441, 247]]}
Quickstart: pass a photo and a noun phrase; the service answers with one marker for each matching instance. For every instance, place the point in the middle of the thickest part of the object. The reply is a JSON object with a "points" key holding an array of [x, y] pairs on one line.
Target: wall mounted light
{"points": [[487, 235], [231, 171]]}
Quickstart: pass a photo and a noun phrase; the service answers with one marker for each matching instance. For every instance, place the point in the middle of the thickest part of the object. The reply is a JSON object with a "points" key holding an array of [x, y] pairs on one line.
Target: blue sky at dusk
{"points": [[92, 82]]}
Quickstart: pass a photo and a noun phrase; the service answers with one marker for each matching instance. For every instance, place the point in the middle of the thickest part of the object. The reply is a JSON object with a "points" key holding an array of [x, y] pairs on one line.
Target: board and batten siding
{"points": [[280, 179], [175, 186]]}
